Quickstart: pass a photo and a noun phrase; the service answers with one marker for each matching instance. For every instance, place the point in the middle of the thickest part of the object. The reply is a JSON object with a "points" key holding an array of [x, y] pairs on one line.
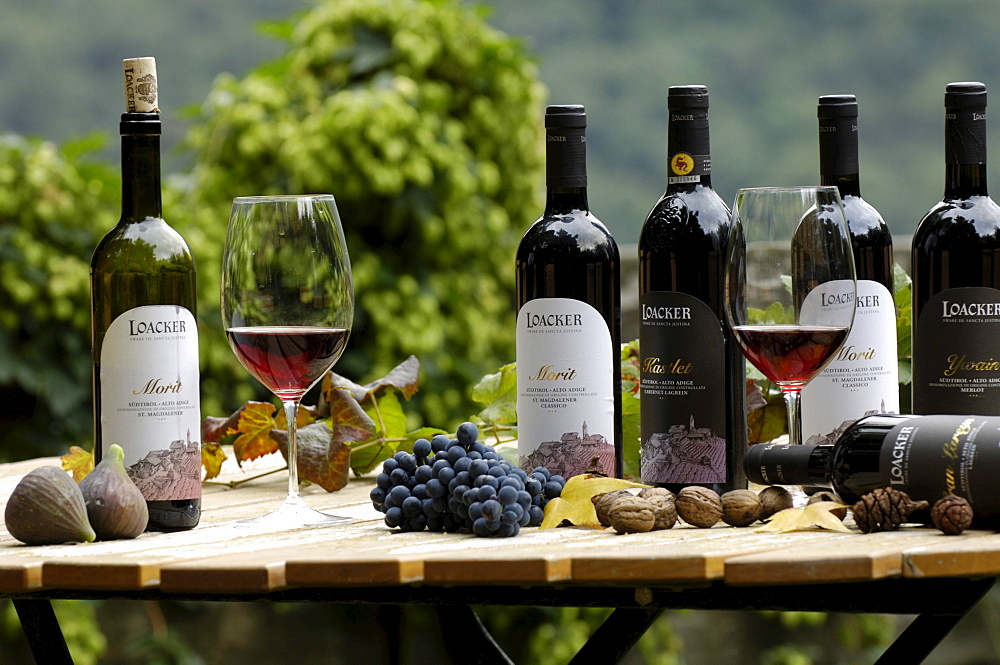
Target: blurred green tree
{"points": [[424, 122], [53, 207]]}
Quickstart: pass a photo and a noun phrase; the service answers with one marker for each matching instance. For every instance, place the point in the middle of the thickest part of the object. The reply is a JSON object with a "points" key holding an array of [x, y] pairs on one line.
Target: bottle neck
{"points": [[141, 197], [965, 152], [782, 464], [565, 169], [689, 157], [838, 154], [561, 200]]}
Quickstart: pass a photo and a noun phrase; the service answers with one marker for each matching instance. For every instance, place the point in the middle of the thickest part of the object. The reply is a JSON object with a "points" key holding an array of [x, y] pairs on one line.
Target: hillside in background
{"points": [[765, 65]]}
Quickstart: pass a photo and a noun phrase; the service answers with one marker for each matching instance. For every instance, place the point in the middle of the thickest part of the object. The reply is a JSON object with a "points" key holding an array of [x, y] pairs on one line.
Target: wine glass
{"points": [[287, 307], [790, 284]]}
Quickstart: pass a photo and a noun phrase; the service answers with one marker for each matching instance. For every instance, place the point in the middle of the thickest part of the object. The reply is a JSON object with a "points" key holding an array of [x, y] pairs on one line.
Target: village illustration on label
{"points": [[171, 474], [684, 454], [572, 453]]}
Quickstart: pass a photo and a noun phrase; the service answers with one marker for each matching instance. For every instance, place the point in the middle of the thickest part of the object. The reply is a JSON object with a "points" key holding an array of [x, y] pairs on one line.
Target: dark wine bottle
{"points": [[925, 456], [863, 377], [145, 337], [693, 429], [956, 273], [569, 318]]}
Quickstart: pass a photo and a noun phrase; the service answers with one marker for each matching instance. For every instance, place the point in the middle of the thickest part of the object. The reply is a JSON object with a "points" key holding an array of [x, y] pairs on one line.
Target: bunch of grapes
{"points": [[452, 484]]}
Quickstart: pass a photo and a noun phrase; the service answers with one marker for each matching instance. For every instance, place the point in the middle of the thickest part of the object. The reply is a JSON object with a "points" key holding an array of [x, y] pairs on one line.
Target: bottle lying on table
{"points": [[927, 457]]}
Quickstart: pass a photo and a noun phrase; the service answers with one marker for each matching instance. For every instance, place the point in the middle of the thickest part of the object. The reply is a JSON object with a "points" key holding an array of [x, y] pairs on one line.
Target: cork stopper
{"points": [[140, 85]]}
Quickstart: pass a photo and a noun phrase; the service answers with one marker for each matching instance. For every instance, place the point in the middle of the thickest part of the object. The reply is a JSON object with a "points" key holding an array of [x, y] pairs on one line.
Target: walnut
{"points": [[603, 502], [841, 513], [884, 509], [772, 500], [631, 515], [740, 507], [699, 506], [952, 514], [665, 509]]}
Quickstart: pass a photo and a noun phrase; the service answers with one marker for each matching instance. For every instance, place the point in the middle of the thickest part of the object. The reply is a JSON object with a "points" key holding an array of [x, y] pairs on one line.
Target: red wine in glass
{"points": [[287, 359], [789, 355]]}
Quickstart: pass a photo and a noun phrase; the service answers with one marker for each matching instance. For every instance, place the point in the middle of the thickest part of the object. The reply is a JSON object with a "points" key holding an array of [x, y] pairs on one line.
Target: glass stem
{"points": [[291, 414], [794, 418]]}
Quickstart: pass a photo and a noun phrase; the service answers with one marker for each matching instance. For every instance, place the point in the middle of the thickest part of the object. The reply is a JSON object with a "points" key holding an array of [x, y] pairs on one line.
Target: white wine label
{"points": [[683, 383], [150, 399], [863, 377], [956, 358], [565, 387]]}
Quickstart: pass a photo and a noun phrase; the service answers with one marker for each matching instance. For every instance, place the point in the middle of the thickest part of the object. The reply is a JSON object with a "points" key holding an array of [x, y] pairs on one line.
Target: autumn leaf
{"points": [[574, 504], [323, 455], [404, 377], [255, 424], [79, 461], [214, 428], [212, 457], [815, 515], [387, 413], [303, 417], [499, 393]]}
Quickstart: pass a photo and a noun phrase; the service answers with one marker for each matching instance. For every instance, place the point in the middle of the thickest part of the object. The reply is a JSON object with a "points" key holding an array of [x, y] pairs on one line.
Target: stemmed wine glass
{"points": [[287, 307], [790, 284]]}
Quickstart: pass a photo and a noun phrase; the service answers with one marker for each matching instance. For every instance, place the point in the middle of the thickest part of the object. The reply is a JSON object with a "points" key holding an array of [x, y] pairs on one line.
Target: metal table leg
{"points": [[616, 636], [926, 632], [48, 646]]}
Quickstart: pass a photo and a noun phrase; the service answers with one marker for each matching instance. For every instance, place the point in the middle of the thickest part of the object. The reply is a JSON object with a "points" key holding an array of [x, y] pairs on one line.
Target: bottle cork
{"points": [[140, 85]]}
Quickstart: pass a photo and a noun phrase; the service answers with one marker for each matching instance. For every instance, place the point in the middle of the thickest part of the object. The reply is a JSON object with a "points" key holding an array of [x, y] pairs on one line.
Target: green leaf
{"points": [[387, 413], [631, 436], [775, 313], [499, 393]]}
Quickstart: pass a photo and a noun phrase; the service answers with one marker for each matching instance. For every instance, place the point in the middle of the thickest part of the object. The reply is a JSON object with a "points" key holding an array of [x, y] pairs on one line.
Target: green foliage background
{"points": [[419, 117], [423, 121]]}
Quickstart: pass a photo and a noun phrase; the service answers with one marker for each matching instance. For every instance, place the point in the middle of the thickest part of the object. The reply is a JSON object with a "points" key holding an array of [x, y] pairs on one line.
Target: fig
{"points": [[47, 508], [115, 506]]}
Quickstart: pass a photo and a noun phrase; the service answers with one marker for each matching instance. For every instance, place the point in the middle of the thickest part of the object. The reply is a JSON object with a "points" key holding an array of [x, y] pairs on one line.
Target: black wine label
{"points": [[838, 146], [965, 135], [687, 146], [956, 357], [682, 380], [934, 456]]}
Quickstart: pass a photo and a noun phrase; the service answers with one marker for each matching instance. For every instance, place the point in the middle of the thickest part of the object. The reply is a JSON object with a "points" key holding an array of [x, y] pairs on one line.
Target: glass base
{"points": [[294, 512]]}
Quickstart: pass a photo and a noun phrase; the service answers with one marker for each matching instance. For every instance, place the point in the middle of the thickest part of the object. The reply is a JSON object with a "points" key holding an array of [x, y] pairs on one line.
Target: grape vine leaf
{"points": [[79, 461], [386, 411], [214, 428], [815, 515], [404, 377], [574, 504], [323, 456], [254, 427], [304, 416], [499, 393], [212, 457]]}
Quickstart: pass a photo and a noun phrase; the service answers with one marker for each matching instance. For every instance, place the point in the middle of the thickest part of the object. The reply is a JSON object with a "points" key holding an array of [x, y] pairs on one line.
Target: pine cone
{"points": [[952, 514], [884, 510]]}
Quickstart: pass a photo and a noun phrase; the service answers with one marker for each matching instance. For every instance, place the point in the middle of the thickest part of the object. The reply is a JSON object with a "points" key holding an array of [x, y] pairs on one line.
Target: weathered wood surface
{"points": [[221, 557]]}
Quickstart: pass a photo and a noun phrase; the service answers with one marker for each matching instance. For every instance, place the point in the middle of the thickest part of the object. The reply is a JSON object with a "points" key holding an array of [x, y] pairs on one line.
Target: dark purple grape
{"points": [[422, 448], [467, 433], [394, 517]]}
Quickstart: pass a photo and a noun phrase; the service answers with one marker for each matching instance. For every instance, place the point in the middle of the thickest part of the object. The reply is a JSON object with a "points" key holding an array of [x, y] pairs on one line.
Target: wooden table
{"points": [[913, 571]]}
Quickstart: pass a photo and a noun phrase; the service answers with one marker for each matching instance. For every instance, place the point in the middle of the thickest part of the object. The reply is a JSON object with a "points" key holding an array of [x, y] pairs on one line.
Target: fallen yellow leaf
{"points": [[815, 515], [574, 505]]}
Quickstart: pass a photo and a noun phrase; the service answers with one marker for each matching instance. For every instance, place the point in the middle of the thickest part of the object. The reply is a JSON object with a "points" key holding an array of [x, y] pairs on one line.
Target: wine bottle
{"points": [[863, 377], [569, 318], [956, 274], [925, 456], [145, 337], [693, 430]]}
